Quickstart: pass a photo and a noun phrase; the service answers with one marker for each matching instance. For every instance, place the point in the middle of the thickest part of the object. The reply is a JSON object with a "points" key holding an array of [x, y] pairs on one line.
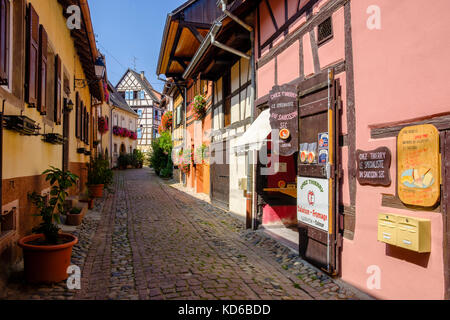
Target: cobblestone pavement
{"points": [[146, 240]]}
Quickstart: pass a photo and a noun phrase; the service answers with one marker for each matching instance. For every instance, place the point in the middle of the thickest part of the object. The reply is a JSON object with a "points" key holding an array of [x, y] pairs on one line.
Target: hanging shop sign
{"points": [[418, 165], [373, 167], [284, 117], [313, 202]]}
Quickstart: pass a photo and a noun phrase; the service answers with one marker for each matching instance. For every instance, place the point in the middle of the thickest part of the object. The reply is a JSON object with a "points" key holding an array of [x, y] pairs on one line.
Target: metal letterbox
{"points": [[387, 228], [414, 234]]}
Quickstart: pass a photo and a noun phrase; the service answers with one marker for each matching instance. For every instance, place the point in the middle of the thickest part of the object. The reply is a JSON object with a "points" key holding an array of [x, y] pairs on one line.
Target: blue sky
{"points": [[131, 28]]}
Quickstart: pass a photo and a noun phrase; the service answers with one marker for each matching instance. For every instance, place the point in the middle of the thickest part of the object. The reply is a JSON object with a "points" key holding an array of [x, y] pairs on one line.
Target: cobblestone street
{"points": [[147, 240]]}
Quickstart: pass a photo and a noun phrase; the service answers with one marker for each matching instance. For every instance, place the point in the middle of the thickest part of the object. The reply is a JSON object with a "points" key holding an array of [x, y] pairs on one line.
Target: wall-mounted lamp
{"points": [[100, 70], [68, 105]]}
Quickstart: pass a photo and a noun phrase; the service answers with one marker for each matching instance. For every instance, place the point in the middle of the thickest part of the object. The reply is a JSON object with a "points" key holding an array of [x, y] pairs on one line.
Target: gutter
{"points": [[207, 42]]}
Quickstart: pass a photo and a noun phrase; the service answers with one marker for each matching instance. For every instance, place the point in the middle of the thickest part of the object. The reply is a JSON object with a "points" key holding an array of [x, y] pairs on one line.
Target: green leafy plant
{"points": [[161, 155], [199, 107], [99, 171], [201, 153], [137, 158], [51, 209], [75, 211]]}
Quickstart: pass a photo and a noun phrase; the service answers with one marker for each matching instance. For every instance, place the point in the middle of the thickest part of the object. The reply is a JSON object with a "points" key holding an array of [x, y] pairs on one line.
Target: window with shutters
{"points": [[32, 59], [50, 84], [87, 127], [5, 42], [58, 90], [42, 71], [77, 115]]}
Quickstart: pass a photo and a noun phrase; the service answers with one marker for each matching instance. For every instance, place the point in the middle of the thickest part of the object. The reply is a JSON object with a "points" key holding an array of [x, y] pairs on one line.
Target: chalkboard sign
{"points": [[284, 117], [373, 167]]}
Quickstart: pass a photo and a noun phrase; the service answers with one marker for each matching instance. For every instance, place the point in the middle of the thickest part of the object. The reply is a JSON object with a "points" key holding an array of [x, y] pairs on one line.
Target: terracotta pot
{"points": [[75, 219], [47, 264], [96, 191], [91, 204]]}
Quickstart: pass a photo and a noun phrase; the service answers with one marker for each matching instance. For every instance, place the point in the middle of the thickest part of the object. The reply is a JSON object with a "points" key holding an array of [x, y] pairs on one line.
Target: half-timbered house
{"points": [[145, 101]]}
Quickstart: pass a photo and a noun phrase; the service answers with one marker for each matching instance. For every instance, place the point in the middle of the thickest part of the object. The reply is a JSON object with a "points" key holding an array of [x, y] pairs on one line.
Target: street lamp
{"points": [[100, 70]]}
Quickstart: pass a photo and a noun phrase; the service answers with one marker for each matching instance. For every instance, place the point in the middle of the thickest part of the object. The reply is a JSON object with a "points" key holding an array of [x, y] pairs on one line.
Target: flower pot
{"points": [[75, 219], [90, 203], [47, 264], [96, 191]]}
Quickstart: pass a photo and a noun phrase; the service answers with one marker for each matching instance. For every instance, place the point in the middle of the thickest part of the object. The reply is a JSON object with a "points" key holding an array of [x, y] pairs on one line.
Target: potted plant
{"points": [[75, 216], [123, 161], [137, 159], [199, 107], [47, 253], [100, 176], [89, 199]]}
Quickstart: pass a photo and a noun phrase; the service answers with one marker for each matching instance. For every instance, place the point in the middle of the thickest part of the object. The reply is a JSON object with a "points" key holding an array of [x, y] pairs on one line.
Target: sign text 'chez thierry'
{"points": [[284, 118], [373, 167]]}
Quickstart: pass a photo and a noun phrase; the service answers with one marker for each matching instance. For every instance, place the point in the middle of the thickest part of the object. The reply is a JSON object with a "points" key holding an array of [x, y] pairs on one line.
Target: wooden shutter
{"points": [[58, 89], [4, 42], [88, 120], [77, 115], [82, 111], [31, 84], [43, 69]]}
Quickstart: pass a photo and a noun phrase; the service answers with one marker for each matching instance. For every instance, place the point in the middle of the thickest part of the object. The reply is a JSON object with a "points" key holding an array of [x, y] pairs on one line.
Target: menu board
{"points": [[284, 118], [374, 167], [418, 165]]}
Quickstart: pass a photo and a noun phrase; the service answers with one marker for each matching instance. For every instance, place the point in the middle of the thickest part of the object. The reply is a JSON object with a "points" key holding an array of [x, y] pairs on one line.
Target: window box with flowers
{"points": [[102, 125], [167, 121], [199, 107]]}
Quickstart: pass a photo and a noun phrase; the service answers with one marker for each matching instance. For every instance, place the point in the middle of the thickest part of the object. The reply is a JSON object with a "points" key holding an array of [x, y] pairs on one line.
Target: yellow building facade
{"points": [[51, 86]]}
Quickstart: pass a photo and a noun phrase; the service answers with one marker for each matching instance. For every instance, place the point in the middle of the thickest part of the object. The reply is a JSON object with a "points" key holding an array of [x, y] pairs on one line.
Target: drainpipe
{"points": [[251, 158]]}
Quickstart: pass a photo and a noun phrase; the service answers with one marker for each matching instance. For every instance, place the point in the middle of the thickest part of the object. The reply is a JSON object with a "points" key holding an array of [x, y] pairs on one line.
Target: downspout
{"points": [[251, 158]]}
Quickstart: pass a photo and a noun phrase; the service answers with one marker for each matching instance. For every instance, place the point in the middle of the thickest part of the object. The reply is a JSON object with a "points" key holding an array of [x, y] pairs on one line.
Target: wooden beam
{"points": [[194, 31], [274, 21]]}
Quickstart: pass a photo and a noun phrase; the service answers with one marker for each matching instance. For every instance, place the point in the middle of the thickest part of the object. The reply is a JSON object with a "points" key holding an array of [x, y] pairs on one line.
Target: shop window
{"points": [[325, 31]]}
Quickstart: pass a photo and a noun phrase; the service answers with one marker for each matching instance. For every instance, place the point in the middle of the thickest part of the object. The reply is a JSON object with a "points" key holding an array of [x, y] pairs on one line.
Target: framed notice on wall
{"points": [[418, 176], [313, 202]]}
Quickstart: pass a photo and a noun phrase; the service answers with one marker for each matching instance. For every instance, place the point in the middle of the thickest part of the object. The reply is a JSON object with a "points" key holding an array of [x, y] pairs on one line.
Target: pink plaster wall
{"points": [[308, 61], [265, 78], [400, 74], [289, 64], [333, 51]]}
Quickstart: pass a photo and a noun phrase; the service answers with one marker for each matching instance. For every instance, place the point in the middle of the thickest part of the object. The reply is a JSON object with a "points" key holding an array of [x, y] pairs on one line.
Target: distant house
{"points": [[145, 101]]}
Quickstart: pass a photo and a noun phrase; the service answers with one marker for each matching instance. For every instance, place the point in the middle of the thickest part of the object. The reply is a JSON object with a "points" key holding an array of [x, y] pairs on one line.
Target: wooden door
{"points": [[220, 176], [318, 234], [445, 149]]}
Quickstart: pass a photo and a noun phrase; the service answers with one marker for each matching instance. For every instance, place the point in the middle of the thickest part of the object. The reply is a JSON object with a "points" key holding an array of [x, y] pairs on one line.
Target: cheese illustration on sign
{"points": [[313, 202]]}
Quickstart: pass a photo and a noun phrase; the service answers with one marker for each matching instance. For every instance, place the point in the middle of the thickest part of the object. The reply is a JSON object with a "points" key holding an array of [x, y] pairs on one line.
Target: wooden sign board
{"points": [[284, 117], [418, 176], [373, 167]]}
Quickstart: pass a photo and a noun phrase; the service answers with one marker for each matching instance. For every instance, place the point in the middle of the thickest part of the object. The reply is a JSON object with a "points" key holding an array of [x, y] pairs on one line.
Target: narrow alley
{"points": [[151, 241]]}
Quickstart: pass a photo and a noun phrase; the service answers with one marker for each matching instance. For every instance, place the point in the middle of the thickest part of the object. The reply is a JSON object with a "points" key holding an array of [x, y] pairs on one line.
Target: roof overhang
{"points": [[84, 40]]}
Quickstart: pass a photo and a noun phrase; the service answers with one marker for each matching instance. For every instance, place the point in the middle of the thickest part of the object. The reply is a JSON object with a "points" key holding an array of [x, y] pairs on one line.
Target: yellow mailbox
{"points": [[387, 228], [414, 234]]}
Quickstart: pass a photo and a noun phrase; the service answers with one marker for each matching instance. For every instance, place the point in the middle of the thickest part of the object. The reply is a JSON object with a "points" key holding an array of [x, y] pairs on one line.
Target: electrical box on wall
{"points": [[406, 232]]}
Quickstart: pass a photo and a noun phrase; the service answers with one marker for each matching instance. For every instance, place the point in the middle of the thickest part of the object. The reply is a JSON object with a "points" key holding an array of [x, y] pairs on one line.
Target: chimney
{"points": [[142, 75]]}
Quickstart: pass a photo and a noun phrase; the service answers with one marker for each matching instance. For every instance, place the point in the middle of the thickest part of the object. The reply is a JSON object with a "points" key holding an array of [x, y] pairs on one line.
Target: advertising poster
{"points": [[313, 203], [418, 165]]}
